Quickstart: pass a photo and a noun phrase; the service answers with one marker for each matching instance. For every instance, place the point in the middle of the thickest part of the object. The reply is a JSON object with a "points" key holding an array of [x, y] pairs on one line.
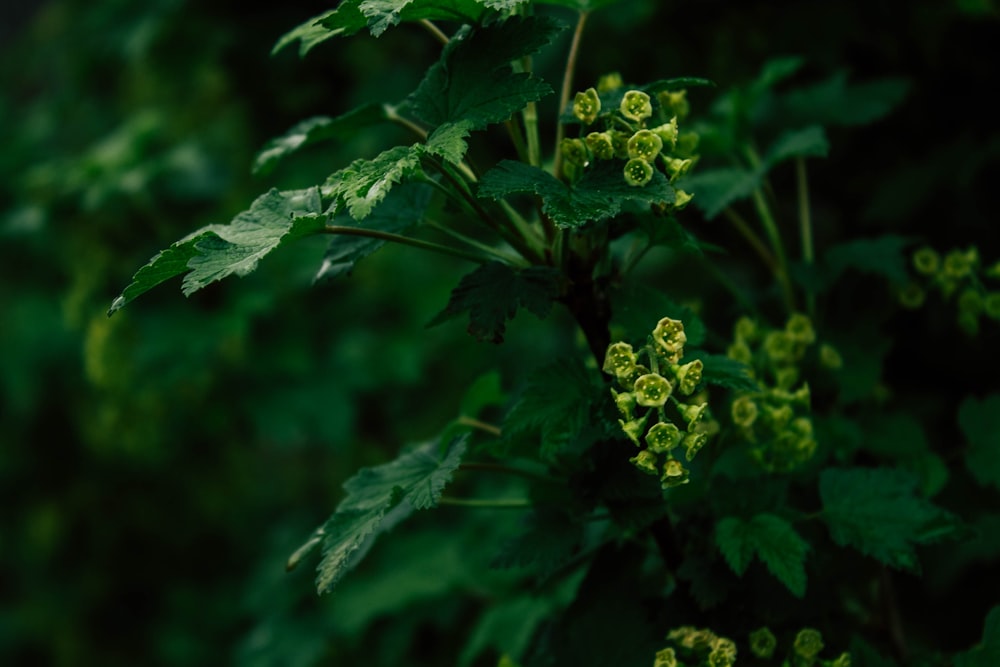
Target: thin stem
{"points": [[774, 236], [481, 425], [435, 31], [567, 87], [805, 224], [507, 258], [517, 138], [393, 115], [406, 240], [498, 504], [743, 227]]}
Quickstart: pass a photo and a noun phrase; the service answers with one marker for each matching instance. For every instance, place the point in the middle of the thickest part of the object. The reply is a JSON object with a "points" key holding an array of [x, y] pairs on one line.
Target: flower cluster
{"points": [[634, 128], [806, 647], [696, 647], [958, 272], [647, 391], [775, 419]]}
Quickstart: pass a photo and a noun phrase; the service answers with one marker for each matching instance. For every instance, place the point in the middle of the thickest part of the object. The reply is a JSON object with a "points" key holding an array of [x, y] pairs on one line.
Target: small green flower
{"points": [[652, 390], [762, 643], [926, 261], [829, 357], [586, 106], [744, 411], [636, 106], [609, 82], [663, 437], [619, 140], [674, 474], [677, 167], [637, 372], [644, 145], [692, 413], [723, 653], [625, 402], [681, 198], [670, 337], [667, 133], [912, 296], [800, 329], [808, 643], [665, 658], [638, 172], [575, 152], [646, 462], [693, 442], [687, 143], [785, 377], [675, 102], [688, 376], [970, 301], [634, 428], [745, 329], [619, 360], [601, 145], [740, 351], [778, 417], [779, 347], [958, 264]]}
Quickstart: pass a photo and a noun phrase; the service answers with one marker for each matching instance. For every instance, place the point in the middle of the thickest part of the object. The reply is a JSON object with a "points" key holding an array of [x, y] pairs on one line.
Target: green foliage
{"points": [[979, 419], [987, 652], [879, 512], [773, 540]]}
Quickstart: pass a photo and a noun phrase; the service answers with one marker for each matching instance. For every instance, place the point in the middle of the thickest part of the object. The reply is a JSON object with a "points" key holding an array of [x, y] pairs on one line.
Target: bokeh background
{"points": [[157, 468]]}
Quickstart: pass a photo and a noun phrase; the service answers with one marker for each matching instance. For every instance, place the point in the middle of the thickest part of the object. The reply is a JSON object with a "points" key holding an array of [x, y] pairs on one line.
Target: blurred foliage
{"points": [[158, 467]]}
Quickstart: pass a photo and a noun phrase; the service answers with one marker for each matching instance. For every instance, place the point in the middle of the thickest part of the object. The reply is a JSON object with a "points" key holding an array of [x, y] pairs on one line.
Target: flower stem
{"points": [[435, 31], [805, 224], [475, 503], [567, 87], [406, 240]]}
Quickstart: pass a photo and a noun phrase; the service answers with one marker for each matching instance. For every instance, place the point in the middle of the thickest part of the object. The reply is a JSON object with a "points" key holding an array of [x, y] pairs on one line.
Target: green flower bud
{"points": [[786, 376], [740, 351], [802, 395], [693, 442], [688, 376], [970, 301], [843, 660], [670, 337], [619, 140], [991, 305], [800, 329], [634, 428], [675, 102], [646, 462], [779, 347], [600, 145], [744, 411], [802, 426], [723, 653], [778, 417], [687, 143], [677, 167], [681, 199], [745, 329], [667, 133], [829, 357], [762, 643], [958, 264], [692, 413], [638, 172], [644, 145], [926, 261], [625, 402], [674, 474], [912, 296], [609, 82], [574, 151], [804, 448], [665, 658], [586, 106], [652, 390], [808, 643], [619, 360], [663, 437], [635, 106]]}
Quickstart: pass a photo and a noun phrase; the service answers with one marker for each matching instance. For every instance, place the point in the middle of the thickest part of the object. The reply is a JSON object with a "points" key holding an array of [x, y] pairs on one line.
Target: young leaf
{"points": [[473, 82], [807, 142], [835, 102], [315, 31], [492, 293], [217, 251], [416, 478], [402, 209], [315, 130], [598, 195], [361, 185], [878, 512], [980, 423], [773, 540], [716, 189]]}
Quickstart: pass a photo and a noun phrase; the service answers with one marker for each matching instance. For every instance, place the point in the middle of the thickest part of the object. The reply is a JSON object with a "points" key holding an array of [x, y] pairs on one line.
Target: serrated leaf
{"points": [[773, 540], [806, 142], [878, 512], [980, 423], [415, 480], [402, 209], [315, 31], [598, 195], [547, 541], [361, 185], [473, 82], [775, 71], [315, 130], [722, 371], [580, 5], [987, 652], [716, 189], [836, 102], [493, 292], [882, 256], [216, 251], [448, 141]]}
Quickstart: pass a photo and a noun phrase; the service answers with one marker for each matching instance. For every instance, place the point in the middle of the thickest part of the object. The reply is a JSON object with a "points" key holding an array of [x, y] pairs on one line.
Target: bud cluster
{"points": [[644, 391], [958, 272], [630, 126], [775, 419], [805, 649], [694, 646]]}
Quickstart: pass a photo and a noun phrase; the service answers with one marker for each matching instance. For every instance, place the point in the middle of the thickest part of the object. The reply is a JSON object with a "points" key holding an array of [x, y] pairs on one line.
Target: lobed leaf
{"points": [[979, 420], [722, 371], [837, 102], [493, 292], [878, 512], [807, 142], [217, 251], [361, 185], [715, 189], [882, 255], [773, 540], [547, 541]]}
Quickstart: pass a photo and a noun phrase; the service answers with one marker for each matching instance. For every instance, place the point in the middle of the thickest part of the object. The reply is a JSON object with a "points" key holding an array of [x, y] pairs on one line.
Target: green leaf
{"points": [[600, 194], [878, 512], [980, 423], [507, 626], [882, 256], [987, 652], [448, 141], [773, 540], [548, 540], [492, 293], [473, 83], [716, 189], [361, 185], [807, 142], [774, 72], [722, 371], [315, 31], [580, 5], [414, 480], [484, 391], [402, 209], [315, 130], [835, 102], [217, 251]]}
